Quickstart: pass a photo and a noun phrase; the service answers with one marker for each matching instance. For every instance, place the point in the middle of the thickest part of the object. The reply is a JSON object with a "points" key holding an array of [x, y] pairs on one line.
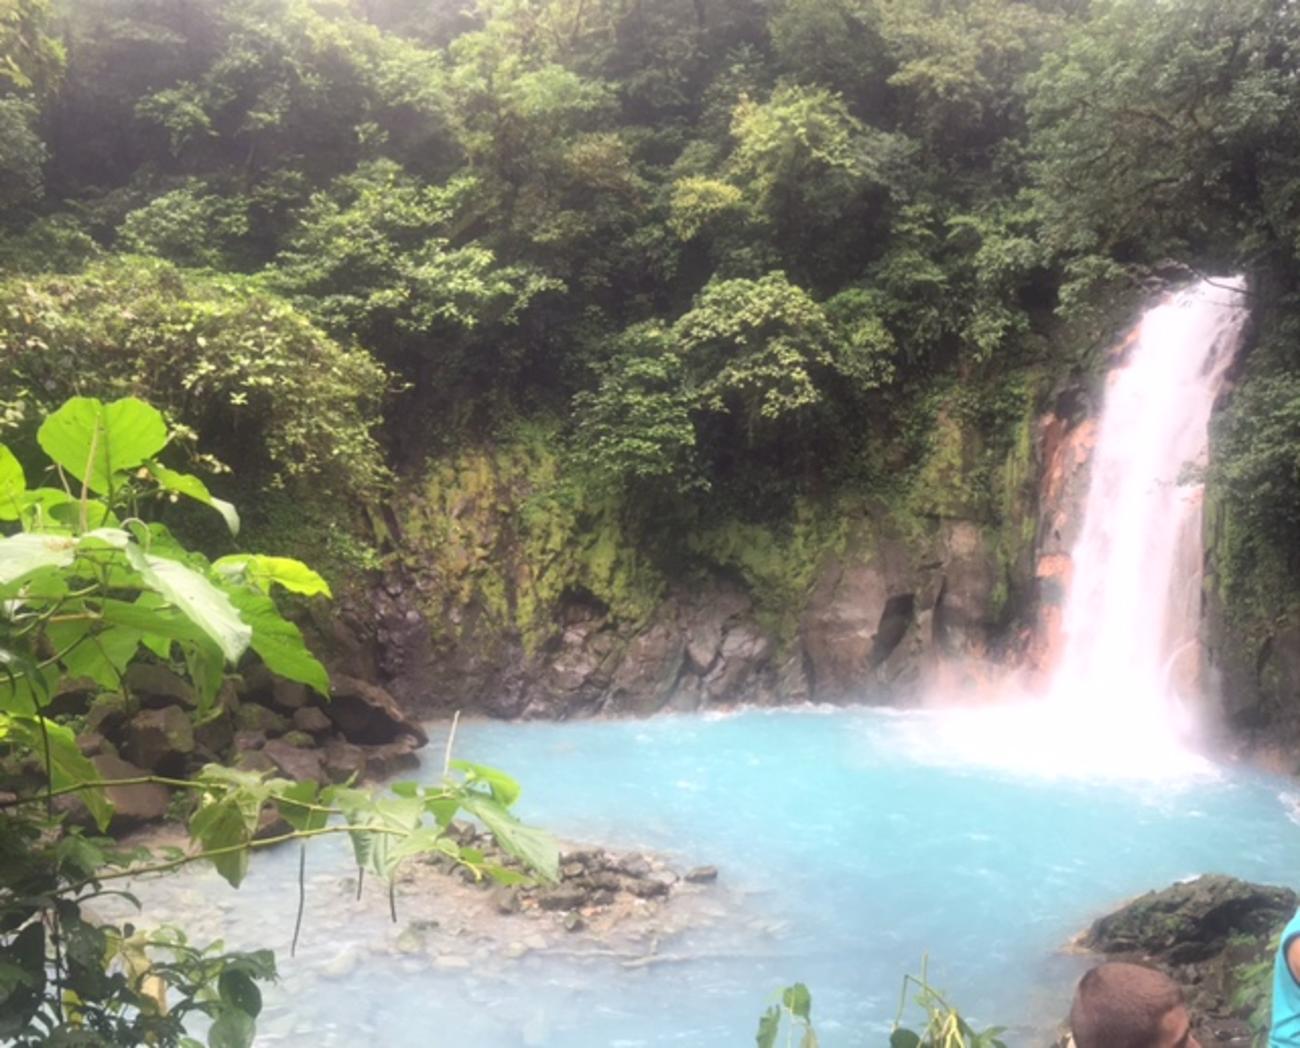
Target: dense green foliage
{"points": [[723, 234], [746, 252], [91, 585]]}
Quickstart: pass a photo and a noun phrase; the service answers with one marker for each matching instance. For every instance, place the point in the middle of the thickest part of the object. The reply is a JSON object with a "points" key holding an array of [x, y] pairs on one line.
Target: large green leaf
{"points": [[279, 642], [263, 571], [205, 605], [191, 487], [233, 1028], [111, 439], [503, 787], [13, 485], [238, 990], [798, 1000], [22, 985], [102, 656], [223, 824], [769, 1025], [22, 554], [38, 509], [66, 766], [534, 847]]}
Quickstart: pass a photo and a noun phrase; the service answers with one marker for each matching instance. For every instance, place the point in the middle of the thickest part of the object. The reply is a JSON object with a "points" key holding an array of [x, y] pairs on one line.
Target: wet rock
{"points": [[214, 737], [505, 900], [299, 739], [701, 875], [1204, 933], [367, 714], [132, 805], [968, 611], [289, 695], [270, 823], [156, 686], [91, 743], [312, 720], [635, 866], [648, 670], [248, 740], [839, 627], [561, 897], [744, 652], [254, 717], [107, 714], [159, 740], [255, 761], [383, 761], [343, 761], [1192, 921], [649, 888], [301, 765]]}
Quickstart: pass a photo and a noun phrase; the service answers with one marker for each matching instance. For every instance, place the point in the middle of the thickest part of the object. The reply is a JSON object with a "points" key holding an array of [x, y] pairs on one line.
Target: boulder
{"points": [[389, 759], [1193, 920], [214, 736], [645, 677], [293, 762], [744, 651], [967, 613], [91, 743], [1206, 934], [244, 741], [342, 760], [255, 761], [289, 695], [157, 686], [254, 717], [365, 713], [841, 624], [107, 714], [132, 805], [160, 740], [312, 720]]}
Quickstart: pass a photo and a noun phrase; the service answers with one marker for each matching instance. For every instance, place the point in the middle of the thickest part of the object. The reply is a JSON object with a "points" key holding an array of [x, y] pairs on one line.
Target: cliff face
{"points": [[514, 592], [517, 594]]}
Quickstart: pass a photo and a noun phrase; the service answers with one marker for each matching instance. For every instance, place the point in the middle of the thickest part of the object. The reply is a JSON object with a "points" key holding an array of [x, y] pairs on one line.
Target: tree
{"points": [[1169, 129], [216, 352]]}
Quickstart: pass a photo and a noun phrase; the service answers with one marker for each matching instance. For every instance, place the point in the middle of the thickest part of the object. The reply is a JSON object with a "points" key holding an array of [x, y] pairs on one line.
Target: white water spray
{"points": [[1131, 619]]}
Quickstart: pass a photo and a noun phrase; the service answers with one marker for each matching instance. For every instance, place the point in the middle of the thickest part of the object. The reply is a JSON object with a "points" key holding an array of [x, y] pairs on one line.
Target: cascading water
{"points": [[1131, 618]]}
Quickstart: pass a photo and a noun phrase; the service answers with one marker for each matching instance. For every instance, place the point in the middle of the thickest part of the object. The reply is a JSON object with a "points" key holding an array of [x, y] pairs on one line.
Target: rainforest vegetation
{"points": [[723, 260], [740, 252]]}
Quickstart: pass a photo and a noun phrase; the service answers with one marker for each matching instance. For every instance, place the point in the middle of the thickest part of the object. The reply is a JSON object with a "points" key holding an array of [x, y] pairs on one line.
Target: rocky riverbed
{"points": [[624, 908]]}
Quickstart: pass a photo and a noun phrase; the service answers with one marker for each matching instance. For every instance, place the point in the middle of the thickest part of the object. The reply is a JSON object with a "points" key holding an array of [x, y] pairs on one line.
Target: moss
{"points": [[779, 561], [502, 527]]}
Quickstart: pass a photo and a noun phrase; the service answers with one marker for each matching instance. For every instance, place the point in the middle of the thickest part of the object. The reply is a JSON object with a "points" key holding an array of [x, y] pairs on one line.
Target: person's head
{"points": [[1129, 1006]]}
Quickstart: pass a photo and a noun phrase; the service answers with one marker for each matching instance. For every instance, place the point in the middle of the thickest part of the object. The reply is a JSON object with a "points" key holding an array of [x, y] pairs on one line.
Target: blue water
{"points": [[849, 848]]}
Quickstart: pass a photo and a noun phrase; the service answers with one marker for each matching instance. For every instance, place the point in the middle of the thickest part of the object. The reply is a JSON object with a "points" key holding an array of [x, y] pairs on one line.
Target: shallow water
{"points": [[857, 840]]}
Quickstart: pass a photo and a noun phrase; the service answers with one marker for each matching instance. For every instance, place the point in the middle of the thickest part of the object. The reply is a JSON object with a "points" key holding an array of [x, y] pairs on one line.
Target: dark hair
{"points": [[1121, 1006]]}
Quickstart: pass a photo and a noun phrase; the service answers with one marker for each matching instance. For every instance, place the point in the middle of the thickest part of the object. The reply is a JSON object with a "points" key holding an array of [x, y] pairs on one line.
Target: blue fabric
{"points": [[1285, 1030]]}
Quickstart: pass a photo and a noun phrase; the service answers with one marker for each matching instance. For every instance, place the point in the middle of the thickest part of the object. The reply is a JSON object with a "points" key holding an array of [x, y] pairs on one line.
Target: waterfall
{"points": [[1131, 617]]}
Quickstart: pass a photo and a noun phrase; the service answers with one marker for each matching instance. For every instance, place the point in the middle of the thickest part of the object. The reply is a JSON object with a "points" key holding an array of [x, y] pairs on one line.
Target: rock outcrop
{"points": [[1210, 934]]}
